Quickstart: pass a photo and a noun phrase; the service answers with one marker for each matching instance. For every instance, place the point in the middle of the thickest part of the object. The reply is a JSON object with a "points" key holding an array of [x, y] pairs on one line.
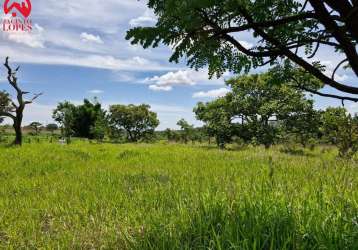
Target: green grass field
{"points": [[103, 196]]}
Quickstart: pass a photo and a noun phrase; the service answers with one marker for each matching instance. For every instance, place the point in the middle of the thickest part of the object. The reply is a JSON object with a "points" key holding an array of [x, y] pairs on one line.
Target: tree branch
{"points": [[338, 66], [301, 62], [343, 98], [34, 98], [337, 31], [271, 23], [7, 114]]}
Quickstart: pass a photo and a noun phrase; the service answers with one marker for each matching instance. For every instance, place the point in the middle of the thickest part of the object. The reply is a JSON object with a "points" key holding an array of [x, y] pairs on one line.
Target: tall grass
{"points": [[92, 196]]}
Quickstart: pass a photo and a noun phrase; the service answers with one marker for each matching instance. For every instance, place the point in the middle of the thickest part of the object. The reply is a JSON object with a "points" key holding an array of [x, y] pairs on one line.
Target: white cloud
{"points": [[160, 88], [165, 82], [2, 79], [124, 77], [212, 93], [246, 44], [353, 108], [188, 77], [330, 67], [96, 14], [33, 39], [76, 33], [56, 57], [96, 91], [147, 19], [85, 37]]}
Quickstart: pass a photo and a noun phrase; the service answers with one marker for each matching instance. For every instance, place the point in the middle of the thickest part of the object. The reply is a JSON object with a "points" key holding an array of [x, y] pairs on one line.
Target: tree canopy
{"points": [[35, 126], [187, 130], [51, 127], [341, 129], [253, 110], [80, 120], [210, 33], [137, 121]]}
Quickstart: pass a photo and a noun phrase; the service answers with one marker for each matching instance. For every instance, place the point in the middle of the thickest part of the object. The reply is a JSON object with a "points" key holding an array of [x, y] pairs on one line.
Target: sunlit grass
{"points": [[162, 196]]}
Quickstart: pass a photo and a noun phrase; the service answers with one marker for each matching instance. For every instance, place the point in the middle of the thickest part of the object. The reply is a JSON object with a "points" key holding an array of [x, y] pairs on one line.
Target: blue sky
{"points": [[77, 50]]}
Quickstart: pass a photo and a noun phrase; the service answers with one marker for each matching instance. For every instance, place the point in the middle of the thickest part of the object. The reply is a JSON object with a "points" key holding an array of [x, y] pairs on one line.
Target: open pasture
{"points": [[168, 196]]}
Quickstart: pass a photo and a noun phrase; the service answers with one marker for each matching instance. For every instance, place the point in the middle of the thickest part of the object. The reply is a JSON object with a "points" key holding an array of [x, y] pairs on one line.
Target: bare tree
{"points": [[14, 109]]}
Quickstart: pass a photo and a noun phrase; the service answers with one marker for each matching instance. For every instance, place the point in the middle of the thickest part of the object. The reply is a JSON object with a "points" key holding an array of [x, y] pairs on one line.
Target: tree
{"points": [[63, 114], [208, 33], [341, 129], [36, 127], [138, 121], [254, 110], [98, 130], [217, 118], [304, 124], [169, 134], [80, 120], [11, 109], [262, 107], [52, 127], [186, 130], [85, 118]]}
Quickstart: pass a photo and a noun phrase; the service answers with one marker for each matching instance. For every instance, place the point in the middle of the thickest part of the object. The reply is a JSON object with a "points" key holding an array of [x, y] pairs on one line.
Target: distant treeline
{"points": [[256, 111]]}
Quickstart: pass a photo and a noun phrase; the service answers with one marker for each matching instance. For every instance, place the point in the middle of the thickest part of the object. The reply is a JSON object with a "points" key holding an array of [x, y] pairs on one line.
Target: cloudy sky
{"points": [[77, 50]]}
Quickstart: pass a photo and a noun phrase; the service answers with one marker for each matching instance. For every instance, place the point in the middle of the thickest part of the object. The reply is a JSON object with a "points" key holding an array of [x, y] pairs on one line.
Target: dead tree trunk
{"points": [[15, 111], [18, 128]]}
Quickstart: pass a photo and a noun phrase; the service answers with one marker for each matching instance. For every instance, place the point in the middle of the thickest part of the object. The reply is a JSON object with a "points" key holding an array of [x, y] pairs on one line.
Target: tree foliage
{"points": [[36, 126], [51, 127], [138, 121], [304, 124], [341, 129], [79, 121], [253, 110], [187, 130], [208, 33], [217, 116], [63, 114]]}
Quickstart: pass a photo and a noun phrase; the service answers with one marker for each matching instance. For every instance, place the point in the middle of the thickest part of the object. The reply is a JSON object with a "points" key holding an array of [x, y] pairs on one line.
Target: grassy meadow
{"points": [[168, 196]]}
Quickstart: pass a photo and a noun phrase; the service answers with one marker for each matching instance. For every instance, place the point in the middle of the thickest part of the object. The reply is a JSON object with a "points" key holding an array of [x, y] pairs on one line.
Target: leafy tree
{"points": [[341, 129], [63, 114], [209, 33], [99, 128], [254, 110], [198, 135], [217, 117], [85, 118], [80, 120], [36, 126], [169, 134], [138, 121], [52, 127], [261, 107], [304, 124], [186, 130], [14, 109]]}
